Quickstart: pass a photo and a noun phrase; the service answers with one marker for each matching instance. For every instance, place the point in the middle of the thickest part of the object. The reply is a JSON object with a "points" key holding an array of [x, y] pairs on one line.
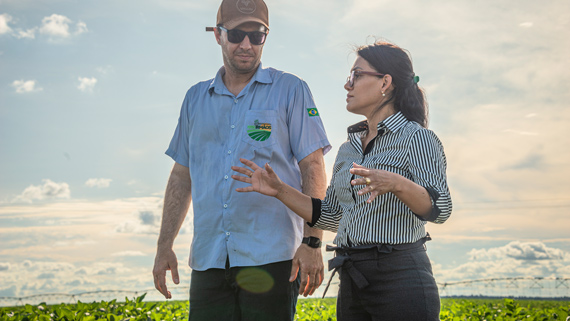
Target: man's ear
{"points": [[217, 35]]}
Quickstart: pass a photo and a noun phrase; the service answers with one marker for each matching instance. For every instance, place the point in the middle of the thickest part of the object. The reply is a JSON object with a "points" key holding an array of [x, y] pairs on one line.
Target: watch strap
{"points": [[312, 241]]}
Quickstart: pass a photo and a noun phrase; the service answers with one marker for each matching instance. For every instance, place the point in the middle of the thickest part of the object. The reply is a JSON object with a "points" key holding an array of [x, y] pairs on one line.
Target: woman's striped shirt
{"points": [[402, 147]]}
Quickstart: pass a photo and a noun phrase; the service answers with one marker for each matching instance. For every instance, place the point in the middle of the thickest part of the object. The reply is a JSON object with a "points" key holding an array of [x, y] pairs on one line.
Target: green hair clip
{"points": [[416, 79]]}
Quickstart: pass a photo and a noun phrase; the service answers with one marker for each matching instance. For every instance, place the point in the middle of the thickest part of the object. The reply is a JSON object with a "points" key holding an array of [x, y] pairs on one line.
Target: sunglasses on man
{"points": [[236, 36]]}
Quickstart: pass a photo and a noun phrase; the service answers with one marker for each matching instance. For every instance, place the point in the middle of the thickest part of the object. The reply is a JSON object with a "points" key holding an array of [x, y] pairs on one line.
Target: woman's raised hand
{"points": [[262, 180], [376, 181]]}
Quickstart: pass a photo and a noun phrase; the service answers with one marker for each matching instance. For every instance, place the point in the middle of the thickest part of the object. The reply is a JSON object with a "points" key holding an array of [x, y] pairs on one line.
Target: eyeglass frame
{"points": [[246, 33], [350, 79]]}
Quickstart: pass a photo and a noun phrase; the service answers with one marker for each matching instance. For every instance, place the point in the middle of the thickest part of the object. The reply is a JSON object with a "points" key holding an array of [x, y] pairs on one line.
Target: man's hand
{"points": [[165, 260], [310, 261]]}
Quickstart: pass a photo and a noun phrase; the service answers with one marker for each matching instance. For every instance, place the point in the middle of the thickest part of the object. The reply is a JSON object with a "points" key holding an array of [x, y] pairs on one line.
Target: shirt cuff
{"points": [[316, 211], [435, 211]]}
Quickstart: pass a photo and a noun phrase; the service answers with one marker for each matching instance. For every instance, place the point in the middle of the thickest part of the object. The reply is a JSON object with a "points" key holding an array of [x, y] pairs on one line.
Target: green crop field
{"points": [[307, 309]]}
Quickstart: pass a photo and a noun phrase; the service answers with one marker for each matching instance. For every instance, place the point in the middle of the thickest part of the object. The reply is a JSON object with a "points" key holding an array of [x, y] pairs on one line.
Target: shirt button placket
{"points": [[226, 177]]}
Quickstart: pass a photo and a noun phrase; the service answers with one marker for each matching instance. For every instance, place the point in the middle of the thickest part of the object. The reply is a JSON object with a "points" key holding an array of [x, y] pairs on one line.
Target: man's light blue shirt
{"points": [[273, 119]]}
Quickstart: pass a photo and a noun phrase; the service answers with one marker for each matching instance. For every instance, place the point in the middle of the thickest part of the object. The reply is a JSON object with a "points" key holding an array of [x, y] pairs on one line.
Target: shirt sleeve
{"points": [[178, 148], [427, 165], [306, 131], [328, 212]]}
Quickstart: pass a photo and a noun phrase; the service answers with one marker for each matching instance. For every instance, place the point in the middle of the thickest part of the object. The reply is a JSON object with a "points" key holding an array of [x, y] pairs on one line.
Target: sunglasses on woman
{"points": [[356, 73], [236, 36]]}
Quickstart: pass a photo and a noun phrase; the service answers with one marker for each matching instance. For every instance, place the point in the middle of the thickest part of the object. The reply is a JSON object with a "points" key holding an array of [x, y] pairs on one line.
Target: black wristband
{"points": [[316, 211]]}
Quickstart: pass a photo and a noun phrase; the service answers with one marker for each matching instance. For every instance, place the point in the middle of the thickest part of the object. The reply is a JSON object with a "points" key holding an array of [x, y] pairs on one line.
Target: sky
{"points": [[90, 93]]}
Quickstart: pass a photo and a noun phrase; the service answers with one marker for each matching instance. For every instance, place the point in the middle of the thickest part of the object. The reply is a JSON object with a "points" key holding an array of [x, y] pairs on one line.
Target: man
{"points": [[250, 256]]}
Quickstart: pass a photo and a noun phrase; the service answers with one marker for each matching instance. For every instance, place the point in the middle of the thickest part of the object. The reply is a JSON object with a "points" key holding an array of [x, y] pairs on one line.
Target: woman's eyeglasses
{"points": [[236, 36], [356, 73]]}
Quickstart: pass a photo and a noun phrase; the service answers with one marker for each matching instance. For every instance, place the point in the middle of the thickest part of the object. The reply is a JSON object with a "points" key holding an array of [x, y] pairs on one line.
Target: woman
{"points": [[388, 181]]}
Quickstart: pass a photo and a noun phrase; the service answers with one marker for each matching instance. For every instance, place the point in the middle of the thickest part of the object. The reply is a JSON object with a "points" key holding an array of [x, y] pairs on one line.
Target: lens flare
{"points": [[255, 280]]}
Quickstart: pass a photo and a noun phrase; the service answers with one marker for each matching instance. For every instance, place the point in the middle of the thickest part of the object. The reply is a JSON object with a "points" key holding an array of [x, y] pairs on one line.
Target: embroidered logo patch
{"points": [[312, 112], [259, 131], [246, 6]]}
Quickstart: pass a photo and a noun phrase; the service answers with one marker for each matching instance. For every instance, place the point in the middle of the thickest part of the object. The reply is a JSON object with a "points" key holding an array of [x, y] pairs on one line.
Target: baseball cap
{"points": [[233, 13]]}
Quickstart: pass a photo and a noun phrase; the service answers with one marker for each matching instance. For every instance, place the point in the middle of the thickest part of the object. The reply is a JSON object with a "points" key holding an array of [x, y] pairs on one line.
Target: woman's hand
{"points": [[378, 182], [263, 181]]}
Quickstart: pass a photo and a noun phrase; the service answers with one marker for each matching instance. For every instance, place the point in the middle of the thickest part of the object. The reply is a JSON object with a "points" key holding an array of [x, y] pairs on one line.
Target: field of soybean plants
{"points": [[307, 309]]}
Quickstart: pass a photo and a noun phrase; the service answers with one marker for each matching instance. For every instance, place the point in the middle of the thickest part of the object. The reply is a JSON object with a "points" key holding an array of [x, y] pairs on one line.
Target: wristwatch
{"points": [[312, 241]]}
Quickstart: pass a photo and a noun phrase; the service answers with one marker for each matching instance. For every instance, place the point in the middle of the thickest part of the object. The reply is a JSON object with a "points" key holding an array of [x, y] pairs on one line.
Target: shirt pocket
{"points": [[259, 128]]}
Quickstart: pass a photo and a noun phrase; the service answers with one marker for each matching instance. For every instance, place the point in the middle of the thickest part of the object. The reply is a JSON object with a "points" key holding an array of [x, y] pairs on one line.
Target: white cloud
{"points": [[86, 84], [68, 244], [147, 223], [98, 182], [129, 253], [48, 190], [55, 25], [30, 33], [46, 267], [25, 86], [54, 259], [4, 27], [516, 259], [519, 251], [79, 278], [149, 218], [81, 28], [45, 277], [527, 24]]}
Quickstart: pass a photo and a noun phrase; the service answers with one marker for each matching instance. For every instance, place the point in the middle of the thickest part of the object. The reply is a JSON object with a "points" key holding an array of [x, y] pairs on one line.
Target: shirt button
{"points": [[225, 205], [233, 126], [226, 177], [228, 233], [235, 100], [229, 151]]}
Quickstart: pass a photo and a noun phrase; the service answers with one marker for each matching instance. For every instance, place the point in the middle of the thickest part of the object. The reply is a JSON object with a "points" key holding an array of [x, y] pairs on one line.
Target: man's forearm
{"points": [[314, 183], [177, 200]]}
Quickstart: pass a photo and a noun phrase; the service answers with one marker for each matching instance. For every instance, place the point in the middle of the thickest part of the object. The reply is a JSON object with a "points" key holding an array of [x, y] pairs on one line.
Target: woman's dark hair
{"points": [[407, 96]]}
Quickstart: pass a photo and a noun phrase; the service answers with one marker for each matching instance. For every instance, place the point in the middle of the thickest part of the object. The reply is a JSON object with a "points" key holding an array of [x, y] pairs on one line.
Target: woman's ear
{"points": [[386, 82]]}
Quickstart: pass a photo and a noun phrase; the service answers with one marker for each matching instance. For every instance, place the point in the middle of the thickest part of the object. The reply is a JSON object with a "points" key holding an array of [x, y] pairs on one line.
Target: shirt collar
{"points": [[262, 75], [393, 123]]}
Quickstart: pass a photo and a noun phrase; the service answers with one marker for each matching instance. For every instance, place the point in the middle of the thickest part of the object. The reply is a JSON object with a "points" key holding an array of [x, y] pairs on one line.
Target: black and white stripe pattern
{"points": [[402, 147]]}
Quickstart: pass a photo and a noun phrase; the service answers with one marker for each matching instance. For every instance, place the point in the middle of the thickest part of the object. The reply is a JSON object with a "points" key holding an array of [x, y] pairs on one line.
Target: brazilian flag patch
{"points": [[312, 112]]}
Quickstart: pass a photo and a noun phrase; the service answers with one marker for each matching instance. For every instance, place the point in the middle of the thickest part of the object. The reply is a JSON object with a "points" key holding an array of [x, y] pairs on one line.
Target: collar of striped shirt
{"points": [[393, 123]]}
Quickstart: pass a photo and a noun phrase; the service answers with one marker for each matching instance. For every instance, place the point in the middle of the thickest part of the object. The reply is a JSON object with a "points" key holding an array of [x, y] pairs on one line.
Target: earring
{"points": [[383, 94]]}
